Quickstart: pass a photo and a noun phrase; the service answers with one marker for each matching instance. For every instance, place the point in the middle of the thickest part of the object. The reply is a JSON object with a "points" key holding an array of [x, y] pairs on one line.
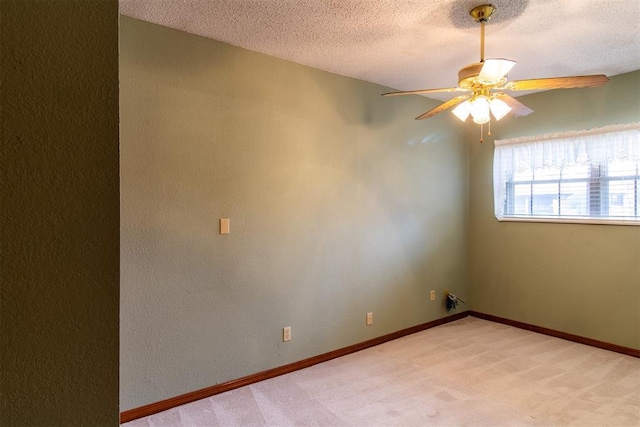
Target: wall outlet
{"points": [[286, 334], [432, 295], [369, 319]]}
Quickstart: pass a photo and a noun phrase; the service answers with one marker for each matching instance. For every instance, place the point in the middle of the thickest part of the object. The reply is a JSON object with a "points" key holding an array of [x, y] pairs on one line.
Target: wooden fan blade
{"points": [[416, 92], [445, 105], [518, 109], [571, 82], [494, 70]]}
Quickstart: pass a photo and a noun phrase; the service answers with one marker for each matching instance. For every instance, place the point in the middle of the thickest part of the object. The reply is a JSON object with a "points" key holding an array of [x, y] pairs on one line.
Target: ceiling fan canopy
{"points": [[483, 84]]}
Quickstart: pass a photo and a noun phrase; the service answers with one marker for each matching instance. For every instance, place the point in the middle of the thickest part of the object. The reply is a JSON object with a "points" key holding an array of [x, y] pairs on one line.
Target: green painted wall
{"points": [[60, 213], [577, 278], [340, 204]]}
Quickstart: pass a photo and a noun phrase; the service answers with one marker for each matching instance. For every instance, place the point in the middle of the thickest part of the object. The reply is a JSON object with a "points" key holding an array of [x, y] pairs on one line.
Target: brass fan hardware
{"points": [[482, 14], [484, 82]]}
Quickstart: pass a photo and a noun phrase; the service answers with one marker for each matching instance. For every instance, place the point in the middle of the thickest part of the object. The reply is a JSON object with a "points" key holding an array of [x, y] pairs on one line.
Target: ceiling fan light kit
{"points": [[484, 81]]}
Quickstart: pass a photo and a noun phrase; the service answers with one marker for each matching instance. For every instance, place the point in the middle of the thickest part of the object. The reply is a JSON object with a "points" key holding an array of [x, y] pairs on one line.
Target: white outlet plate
{"points": [[369, 319], [286, 334], [433, 295]]}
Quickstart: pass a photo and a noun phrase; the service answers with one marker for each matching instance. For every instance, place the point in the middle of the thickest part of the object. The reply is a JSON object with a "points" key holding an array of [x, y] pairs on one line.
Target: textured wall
{"points": [[340, 203], [60, 213], [578, 278]]}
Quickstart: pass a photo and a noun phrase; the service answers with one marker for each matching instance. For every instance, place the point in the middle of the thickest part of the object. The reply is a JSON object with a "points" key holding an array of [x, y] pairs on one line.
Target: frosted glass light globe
{"points": [[480, 110]]}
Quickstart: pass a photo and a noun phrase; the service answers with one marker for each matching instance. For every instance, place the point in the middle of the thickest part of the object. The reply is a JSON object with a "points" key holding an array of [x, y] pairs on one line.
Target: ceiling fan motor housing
{"points": [[468, 76]]}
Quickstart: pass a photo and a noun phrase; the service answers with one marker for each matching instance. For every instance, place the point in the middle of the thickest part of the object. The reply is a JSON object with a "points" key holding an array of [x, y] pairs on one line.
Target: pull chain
{"points": [[482, 131]]}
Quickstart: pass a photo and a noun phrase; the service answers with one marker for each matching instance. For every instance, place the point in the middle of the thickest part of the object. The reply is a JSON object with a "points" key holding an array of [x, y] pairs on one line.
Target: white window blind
{"points": [[587, 176]]}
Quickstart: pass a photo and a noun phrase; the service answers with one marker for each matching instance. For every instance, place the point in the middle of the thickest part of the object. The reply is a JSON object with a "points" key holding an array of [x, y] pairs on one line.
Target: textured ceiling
{"points": [[416, 44]]}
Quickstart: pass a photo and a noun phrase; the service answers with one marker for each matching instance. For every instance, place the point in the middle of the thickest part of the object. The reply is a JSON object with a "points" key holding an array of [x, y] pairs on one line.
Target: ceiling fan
{"points": [[483, 82]]}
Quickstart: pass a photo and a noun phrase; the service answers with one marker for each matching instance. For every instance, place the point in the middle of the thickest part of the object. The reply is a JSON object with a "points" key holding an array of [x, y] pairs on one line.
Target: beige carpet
{"points": [[467, 373]]}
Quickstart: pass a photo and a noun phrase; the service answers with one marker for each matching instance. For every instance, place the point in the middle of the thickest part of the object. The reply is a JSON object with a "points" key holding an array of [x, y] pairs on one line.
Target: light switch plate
{"points": [[225, 226]]}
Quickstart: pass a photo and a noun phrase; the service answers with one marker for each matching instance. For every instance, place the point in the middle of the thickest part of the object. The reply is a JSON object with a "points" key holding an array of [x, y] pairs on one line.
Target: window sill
{"points": [[569, 220]]}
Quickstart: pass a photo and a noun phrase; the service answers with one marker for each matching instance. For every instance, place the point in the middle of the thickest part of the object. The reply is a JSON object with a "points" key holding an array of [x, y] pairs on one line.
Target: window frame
{"points": [[597, 182]]}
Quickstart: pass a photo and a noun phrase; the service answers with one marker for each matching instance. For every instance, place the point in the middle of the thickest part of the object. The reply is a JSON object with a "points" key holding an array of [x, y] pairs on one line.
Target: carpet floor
{"points": [[470, 372]]}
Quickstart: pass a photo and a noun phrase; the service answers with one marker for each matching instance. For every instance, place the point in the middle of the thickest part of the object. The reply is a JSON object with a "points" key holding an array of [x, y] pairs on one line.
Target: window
{"points": [[591, 176]]}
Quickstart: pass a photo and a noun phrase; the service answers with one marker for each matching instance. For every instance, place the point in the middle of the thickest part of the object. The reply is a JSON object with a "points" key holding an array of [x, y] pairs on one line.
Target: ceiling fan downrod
{"points": [[482, 14]]}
